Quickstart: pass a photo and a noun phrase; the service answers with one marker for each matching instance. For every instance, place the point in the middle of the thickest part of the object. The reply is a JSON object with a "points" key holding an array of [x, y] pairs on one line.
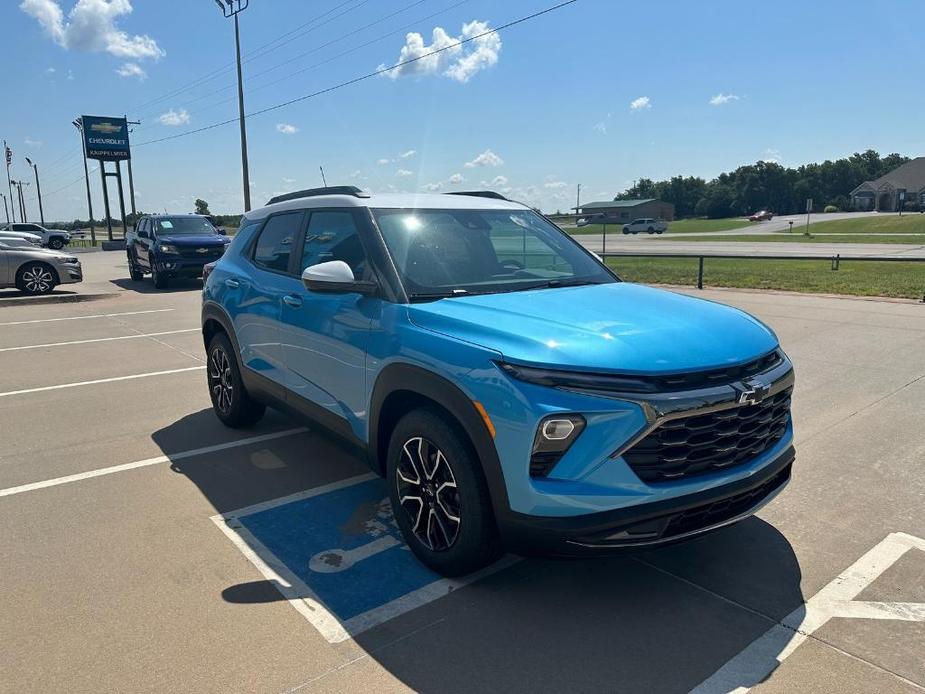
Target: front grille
{"points": [[211, 252], [704, 443]]}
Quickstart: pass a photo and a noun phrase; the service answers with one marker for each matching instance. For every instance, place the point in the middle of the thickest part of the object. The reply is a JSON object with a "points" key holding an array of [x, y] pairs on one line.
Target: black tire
{"points": [[651, 230], [230, 401], [160, 279], [625, 230], [36, 278], [659, 231], [133, 270], [448, 550], [56, 243]]}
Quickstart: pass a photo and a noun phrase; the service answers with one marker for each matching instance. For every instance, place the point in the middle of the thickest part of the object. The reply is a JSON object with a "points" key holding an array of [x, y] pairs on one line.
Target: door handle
{"points": [[232, 283], [292, 300]]}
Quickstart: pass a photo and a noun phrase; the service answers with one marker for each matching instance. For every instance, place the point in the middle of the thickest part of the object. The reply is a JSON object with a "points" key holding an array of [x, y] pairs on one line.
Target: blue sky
{"points": [[599, 93]]}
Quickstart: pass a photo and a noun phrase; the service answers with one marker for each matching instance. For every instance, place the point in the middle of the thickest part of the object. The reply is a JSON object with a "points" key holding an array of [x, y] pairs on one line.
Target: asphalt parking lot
{"points": [[147, 548]]}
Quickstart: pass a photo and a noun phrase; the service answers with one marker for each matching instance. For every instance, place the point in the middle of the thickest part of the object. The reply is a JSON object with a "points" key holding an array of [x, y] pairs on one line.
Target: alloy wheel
{"points": [[428, 494], [37, 279], [221, 380]]}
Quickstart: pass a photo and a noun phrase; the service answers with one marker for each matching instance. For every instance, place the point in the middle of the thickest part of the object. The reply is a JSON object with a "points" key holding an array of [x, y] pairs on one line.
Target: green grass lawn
{"points": [[800, 238], [906, 280], [909, 223], [682, 226]]}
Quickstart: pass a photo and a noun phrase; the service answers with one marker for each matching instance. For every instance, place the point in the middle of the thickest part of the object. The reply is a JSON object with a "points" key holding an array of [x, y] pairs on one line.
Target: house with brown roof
{"points": [[902, 186]]}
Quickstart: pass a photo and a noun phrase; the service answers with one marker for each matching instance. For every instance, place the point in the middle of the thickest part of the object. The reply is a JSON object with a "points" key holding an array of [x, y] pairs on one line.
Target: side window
{"points": [[334, 236], [20, 227], [274, 245], [142, 225]]}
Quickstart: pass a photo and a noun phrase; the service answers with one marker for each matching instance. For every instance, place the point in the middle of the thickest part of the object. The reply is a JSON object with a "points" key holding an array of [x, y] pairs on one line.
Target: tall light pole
{"points": [[38, 188], [79, 124], [22, 200], [6, 209], [232, 8]]}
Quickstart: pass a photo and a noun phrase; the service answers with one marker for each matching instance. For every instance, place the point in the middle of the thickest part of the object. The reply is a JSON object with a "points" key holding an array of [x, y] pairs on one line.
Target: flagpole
{"points": [[8, 153]]}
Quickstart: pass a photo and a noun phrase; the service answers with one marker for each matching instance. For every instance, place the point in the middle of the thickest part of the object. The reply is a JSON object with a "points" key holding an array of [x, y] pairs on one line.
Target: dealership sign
{"points": [[106, 139]]}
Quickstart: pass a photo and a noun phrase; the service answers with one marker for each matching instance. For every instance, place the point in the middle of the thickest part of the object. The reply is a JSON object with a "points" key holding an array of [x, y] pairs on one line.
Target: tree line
{"points": [[766, 185]]}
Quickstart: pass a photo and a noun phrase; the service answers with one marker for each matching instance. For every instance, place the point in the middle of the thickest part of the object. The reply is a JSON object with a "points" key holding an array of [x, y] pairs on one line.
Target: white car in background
{"points": [[646, 224], [56, 239], [34, 239]]}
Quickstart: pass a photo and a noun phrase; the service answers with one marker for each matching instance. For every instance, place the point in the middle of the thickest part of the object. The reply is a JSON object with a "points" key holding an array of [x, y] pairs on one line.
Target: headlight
{"points": [[554, 436], [70, 260], [167, 248]]}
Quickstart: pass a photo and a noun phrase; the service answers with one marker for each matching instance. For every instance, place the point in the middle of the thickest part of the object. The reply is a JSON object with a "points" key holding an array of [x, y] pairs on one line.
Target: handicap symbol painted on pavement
{"points": [[337, 555]]}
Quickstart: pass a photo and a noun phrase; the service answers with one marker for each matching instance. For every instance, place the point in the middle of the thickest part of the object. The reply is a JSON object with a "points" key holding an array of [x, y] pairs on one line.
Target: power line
{"points": [[369, 75]]}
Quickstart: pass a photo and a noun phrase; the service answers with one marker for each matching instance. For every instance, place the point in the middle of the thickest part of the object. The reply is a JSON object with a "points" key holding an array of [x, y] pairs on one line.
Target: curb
{"points": [[52, 299]]}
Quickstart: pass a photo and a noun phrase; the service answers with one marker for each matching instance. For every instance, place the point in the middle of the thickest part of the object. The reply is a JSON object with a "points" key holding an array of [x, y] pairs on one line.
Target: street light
{"points": [[38, 188], [231, 8], [79, 124], [22, 199], [6, 209]]}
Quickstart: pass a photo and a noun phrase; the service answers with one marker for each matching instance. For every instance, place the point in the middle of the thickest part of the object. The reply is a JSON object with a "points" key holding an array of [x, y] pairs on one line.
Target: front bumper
{"points": [[70, 274], [646, 525], [183, 267]]}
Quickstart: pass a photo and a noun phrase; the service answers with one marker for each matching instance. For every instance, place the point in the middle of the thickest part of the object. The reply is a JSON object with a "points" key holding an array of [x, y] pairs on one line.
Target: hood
{"points": [[193, 239], [621, 327]]}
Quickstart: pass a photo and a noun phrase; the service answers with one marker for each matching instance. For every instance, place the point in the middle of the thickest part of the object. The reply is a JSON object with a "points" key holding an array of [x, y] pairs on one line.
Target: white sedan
{"points": [[646, 224]]}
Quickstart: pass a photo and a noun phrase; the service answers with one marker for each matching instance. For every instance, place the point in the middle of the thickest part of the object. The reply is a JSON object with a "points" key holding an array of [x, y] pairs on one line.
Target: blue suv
{"points": [[515, 393]]}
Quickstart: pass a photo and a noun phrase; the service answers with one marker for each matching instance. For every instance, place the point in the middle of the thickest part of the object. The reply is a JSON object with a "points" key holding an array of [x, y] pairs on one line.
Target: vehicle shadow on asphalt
{"points": [[663, 620], [146, 286]]}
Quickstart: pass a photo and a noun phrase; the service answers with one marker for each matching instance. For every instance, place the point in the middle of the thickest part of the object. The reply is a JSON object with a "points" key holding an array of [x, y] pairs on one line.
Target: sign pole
{"points": [[131, 180], [106, 200], [121, 196]]}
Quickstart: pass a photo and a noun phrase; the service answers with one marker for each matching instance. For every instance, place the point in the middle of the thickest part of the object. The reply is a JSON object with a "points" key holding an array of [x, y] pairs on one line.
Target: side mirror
{"points": [[221, 231], [336, 277]]}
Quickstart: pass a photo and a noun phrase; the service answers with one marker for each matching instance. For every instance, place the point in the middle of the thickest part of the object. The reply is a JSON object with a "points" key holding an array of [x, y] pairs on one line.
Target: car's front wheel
{"points": [[35, 279], [56, 243], [232, 404], [626, 230], [134, 271], [160, 279], [439, 495]]}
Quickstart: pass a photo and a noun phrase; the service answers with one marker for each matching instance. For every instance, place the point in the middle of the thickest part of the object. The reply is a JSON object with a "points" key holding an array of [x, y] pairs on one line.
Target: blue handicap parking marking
{"points": [[344, 545]]}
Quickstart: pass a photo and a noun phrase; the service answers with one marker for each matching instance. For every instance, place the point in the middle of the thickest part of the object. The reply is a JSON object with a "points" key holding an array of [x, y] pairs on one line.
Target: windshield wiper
{"points": [[433, 296], [555, 283]]}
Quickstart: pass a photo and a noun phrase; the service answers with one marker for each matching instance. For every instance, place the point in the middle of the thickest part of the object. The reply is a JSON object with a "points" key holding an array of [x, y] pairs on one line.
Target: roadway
{"points": [[126, 568]]}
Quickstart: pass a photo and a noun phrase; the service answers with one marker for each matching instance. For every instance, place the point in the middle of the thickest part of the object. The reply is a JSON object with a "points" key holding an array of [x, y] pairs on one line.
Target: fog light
{"points": [[554, 436]]}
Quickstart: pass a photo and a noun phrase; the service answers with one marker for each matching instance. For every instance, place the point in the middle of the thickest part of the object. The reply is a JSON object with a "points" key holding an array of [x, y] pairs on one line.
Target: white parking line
{"points": [[98, 339], [96, 315], [10, 491], [99, 380]]}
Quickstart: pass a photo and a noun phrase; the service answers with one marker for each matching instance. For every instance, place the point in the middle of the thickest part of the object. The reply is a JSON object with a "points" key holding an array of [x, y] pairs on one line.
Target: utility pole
{"points": [[38, 188], [131, 180], [8, 153], [6, 209], [233, 9], [78, 123], [578, 200], [22, 200]]}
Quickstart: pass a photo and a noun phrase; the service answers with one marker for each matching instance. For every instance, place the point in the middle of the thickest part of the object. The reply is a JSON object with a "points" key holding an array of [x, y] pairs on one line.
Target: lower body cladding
{"points": [[646, 525]]}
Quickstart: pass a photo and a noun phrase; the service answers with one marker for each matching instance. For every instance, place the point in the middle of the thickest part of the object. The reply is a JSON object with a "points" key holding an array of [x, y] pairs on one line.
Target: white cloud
{"points": [[407, 155], [288, 181], [771, 154], [356, 174], [433, 187], [70, 74], [454, 60], [404, 172], [286, 128], [32, 143], [174, 118], [486, 158], [721, 99], [383, 162], [50, 71], [552, 185], [132, 70], [456, 179], [498, 181], [600, 127], [641, 103], [90, 26]]}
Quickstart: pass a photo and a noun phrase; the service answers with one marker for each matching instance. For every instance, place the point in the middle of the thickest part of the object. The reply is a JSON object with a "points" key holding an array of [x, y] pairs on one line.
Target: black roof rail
{"points": [[312, 192], [479, 194]]}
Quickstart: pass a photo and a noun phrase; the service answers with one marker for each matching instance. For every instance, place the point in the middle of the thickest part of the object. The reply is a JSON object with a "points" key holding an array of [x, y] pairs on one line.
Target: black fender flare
{"points": [[420, 381], [214, 311]]}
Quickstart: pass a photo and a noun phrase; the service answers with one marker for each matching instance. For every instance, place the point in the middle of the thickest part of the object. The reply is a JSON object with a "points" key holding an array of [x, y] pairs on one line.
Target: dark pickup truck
{"points": [[168, 246]]}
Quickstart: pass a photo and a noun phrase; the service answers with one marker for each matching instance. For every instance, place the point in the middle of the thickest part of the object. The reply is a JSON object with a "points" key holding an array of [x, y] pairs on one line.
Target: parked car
{"points": [[515, 393], [590, 219], [169, 246], [52, 238], [646, 224], [22, 236], [761, 216], [36, 270]]}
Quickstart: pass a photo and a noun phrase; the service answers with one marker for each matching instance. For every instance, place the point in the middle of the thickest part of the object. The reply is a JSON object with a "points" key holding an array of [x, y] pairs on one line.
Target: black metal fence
{"points": [[835, 260]]}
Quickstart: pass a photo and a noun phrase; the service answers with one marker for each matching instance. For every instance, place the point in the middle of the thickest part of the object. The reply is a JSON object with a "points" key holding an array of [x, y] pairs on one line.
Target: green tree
{"points": [[202, 207]]}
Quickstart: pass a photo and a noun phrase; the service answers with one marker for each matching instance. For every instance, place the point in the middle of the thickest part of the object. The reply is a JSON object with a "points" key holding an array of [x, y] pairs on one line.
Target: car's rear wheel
{"points": [[651, 230], [133, 270], [36, 278], [160, 278], [626, 230], [659, 231], [439, 496], [230, 400], [56, 243]]}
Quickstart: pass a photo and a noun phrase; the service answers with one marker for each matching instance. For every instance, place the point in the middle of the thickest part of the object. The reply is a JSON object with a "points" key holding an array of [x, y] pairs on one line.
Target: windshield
{"points": [[178, 226], [457, 252]]}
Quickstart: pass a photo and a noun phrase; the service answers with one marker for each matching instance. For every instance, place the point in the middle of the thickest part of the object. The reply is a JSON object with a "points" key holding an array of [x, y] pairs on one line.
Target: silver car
{"points": [[36, 270]]}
